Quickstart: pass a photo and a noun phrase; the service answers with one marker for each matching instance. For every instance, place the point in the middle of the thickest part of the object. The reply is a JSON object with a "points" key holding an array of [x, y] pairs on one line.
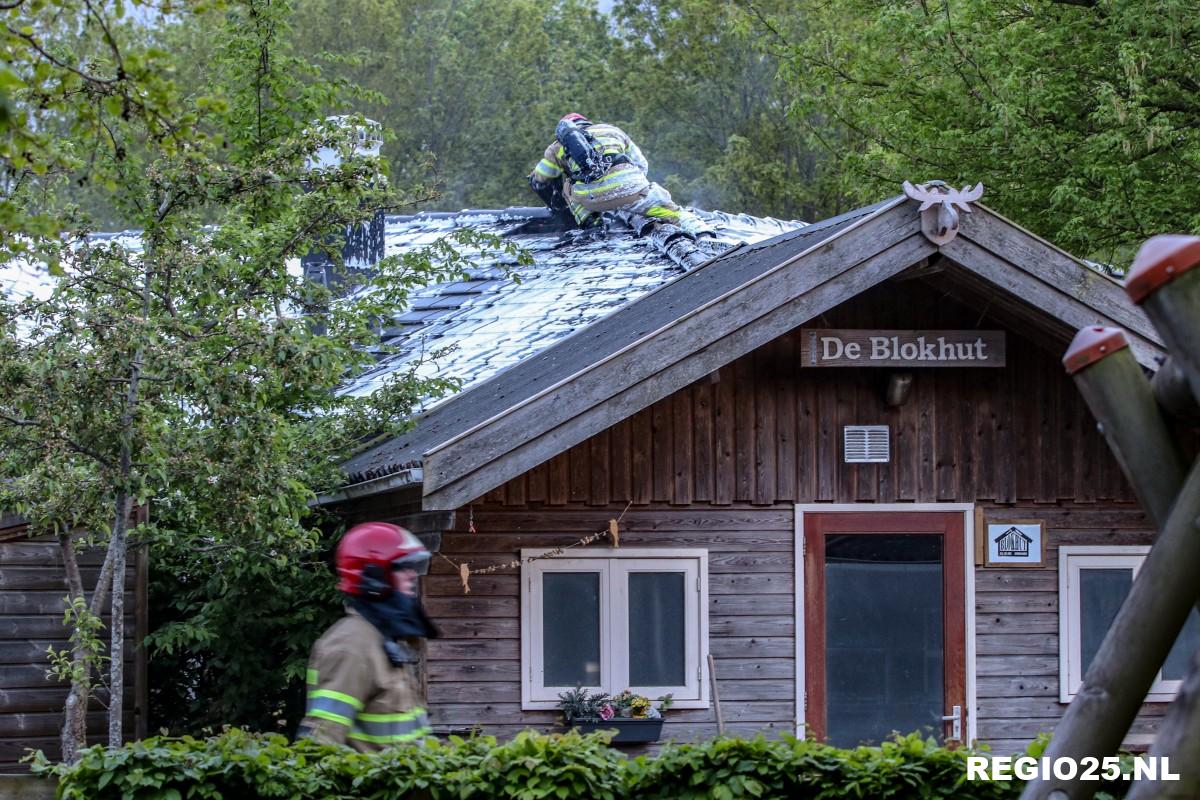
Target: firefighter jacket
{"points": [[617, 187], [356, 696]]}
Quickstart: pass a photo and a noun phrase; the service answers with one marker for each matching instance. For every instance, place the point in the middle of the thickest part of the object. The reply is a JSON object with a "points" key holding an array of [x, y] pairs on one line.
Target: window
{"points": [[612, 619], [1092, 584]]}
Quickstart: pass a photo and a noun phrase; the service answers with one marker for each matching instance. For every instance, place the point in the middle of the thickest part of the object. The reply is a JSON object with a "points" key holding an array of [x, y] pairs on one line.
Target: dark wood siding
{"points": [[720, 465], [32, 600], [762, 430], [474, 670]]}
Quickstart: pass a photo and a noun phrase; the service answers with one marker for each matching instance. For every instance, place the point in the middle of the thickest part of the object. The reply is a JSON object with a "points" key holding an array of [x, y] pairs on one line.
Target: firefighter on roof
{"points": [[591, 168], [363, 687]]}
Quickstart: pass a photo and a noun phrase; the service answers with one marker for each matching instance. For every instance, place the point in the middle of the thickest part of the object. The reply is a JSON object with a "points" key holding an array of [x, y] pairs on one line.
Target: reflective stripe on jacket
{"points": [[355, 696], [622, 180]]}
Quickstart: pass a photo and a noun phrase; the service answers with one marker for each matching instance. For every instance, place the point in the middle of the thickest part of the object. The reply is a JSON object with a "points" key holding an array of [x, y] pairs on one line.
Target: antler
{"points": [[929, 196], [962, 197]]}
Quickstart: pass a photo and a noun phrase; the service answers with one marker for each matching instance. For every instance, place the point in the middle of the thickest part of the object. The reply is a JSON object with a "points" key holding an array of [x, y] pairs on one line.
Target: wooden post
{"points": [[1121, 400], [1164, 281], [1174, 393], [712, 676], [1178, 739]]}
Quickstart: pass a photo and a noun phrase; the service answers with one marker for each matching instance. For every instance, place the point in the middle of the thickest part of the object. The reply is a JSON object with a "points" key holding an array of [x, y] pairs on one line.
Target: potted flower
{"points": [[633, 716]]}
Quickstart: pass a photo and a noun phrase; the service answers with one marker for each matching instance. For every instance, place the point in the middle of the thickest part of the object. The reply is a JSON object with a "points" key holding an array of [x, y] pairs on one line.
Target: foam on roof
{"points": [[489, 322], [678, 294]]}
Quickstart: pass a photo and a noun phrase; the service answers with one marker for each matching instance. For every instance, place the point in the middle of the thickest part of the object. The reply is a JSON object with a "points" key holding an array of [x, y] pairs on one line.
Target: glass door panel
{"points": [[883, 636]]}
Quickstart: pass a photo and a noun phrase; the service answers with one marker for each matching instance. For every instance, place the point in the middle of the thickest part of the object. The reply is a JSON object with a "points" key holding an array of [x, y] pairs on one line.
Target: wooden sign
{"points": [[828, 347], [1015, 543]]}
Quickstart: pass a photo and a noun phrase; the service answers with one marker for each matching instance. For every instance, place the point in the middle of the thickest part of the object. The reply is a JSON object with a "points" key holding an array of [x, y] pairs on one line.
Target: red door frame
{"points": [[954, 635]]}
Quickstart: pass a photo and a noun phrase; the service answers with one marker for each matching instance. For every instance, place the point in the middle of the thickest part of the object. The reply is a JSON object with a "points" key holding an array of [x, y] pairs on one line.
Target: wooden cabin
{"points": [[845, 462], [33, 590]]}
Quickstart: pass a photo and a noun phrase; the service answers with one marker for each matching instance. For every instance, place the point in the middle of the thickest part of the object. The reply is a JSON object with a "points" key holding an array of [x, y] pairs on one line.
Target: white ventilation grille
{"points": [[866, 444]]}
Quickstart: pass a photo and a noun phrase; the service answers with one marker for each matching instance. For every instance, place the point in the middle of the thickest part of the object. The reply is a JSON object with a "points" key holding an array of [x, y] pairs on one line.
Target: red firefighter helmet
{"points": [[576, 117], [369, 552]]}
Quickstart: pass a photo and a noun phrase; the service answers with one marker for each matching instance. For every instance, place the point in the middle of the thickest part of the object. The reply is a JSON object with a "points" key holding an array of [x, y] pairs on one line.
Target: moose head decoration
{"points": [[940, 204]]}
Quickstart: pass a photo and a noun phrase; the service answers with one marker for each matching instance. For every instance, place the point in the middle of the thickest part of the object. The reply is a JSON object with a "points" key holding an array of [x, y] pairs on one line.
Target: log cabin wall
{"points": [[32, 600], [721, 464], [474, 670]]}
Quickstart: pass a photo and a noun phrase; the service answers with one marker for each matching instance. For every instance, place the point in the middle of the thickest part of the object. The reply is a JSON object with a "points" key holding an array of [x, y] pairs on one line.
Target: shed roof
{"points": [[489, 321], [692, 324]]}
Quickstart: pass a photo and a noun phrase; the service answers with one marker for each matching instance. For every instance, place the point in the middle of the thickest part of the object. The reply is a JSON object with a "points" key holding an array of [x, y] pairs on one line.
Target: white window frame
{"points": [[613, 566], [1072, 559]]}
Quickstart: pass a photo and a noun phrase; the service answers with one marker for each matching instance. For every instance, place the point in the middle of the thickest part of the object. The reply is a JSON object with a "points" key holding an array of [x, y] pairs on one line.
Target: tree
{"points": [[1080, 116], [700, 76], [187, 370], [471, 89]]}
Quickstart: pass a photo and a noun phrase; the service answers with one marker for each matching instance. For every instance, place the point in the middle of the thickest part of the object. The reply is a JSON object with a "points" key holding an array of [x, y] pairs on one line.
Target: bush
{"points": [[909, 767], [238, 764]]}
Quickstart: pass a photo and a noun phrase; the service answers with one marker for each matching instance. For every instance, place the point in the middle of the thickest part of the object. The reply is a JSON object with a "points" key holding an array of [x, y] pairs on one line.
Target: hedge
{"points": [[237, 764]]}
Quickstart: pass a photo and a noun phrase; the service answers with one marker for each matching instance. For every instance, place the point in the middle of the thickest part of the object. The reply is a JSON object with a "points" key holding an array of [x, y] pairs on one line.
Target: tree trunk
{"points": [[124, 506], [117, 546], [74, 729], [73, 737]]}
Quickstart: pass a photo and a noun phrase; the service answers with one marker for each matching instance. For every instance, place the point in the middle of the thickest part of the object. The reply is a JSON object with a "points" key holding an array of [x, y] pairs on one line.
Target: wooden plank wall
{"points": [[474, 670], [32, 599], [721, 464], [762, 430], [1016, 624]]}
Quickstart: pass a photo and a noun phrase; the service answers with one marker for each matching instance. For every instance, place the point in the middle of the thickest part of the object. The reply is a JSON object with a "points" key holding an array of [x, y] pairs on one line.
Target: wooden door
{"points": [[884, 625]]}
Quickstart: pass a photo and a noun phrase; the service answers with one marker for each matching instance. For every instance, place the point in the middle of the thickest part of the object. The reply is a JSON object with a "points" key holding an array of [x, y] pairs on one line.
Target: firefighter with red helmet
{"points": [[363, 686]]}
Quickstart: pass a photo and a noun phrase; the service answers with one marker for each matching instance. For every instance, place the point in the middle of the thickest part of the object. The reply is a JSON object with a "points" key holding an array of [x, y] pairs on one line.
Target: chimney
{"points": [[363, 246]]}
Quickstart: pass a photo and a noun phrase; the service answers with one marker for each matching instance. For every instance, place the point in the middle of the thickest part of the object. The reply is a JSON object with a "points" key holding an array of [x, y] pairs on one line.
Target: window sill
{"points": [[552, 705]]}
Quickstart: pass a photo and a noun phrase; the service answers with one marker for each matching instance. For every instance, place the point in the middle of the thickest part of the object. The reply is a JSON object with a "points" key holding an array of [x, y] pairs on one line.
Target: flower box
{"points": [[634, 717], [629, 731]]}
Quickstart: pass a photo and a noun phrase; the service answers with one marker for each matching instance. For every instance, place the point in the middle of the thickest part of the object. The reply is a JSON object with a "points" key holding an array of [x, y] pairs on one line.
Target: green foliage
{"points": [[700, 78], [86, 639], [190, 369], [238, 764], [529, 767], [1080, 117], [468, 90], [581, 705], [727, 768]]}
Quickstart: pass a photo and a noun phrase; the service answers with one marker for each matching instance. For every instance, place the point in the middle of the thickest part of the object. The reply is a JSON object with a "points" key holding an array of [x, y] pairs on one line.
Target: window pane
{"points": [[1101, 592], [1185, 646], [884, 660], [656, 629], [571, 628]]}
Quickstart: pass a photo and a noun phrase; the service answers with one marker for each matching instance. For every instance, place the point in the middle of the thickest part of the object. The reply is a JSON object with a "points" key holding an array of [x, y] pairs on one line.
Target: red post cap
{"points": [[1160, 260], [1092, 344]]}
